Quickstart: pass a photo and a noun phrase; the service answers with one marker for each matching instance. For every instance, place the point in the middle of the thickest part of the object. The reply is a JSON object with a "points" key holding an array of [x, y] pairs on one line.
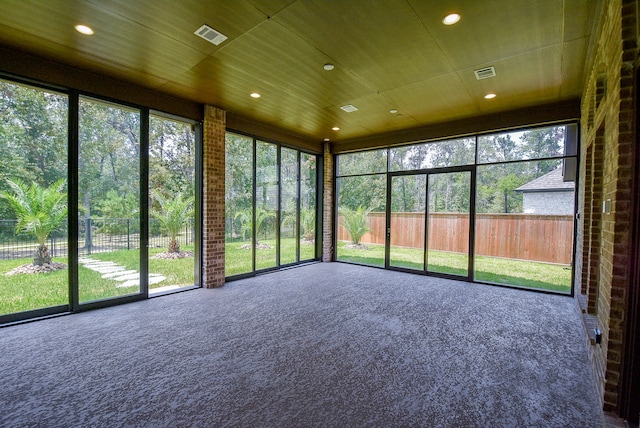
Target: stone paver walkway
{"points": [[111, 270]]}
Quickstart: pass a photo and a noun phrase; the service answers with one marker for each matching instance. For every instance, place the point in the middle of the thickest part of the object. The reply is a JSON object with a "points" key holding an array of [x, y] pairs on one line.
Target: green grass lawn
{"points": [[27, 292], [238, 260], [34, 291], [544, 276]]}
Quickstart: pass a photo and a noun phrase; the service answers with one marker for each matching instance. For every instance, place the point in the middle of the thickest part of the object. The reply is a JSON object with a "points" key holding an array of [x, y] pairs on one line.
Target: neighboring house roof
{"points": [[550, 182]]}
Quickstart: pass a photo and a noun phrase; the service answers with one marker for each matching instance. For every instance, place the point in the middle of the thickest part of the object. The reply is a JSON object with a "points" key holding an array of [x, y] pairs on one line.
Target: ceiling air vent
{"points": [[349, 108], [485, 73], [210, 35]]}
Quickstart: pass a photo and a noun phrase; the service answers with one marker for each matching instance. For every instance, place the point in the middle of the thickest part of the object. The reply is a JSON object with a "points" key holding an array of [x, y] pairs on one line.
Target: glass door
{"points": [[407, 221], [448, 222], [109, 195], [428, 225]]}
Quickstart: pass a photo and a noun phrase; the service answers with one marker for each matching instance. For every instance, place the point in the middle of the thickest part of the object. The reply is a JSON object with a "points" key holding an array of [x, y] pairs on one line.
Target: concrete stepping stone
{"points": [[108, 269], [130, 283], [126, 277], [98, 263], [112, 275], [136, 282], [155, 278]]}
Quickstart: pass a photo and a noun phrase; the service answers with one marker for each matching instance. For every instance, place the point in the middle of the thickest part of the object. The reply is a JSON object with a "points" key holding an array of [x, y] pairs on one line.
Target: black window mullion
{"points": [[198, 205], [73, 151], [144, 202], [255, 204], [298, 204], [278, 200]]}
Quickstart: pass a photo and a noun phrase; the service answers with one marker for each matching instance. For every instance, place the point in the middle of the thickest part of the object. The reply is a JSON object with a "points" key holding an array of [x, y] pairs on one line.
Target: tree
{"points": [[173, 215], [40, 211], [355, 222]]}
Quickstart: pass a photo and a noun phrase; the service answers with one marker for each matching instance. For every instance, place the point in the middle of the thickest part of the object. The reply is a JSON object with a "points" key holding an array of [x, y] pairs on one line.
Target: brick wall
{"points": [[213, 197], [607, 121], [327, 206]]}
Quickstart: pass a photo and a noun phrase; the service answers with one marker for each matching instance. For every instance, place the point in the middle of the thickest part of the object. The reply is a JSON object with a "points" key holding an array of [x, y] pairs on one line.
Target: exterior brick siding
{"points": [[213, 197], [608, 134], [327, 208]]}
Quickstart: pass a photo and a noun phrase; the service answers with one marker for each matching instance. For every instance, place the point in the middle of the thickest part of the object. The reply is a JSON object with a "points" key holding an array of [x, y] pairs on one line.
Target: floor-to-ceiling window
{"points": [[308, 206], [495, 208], [97, 202], [362, 197], [33, 199], [525, 207], [270, 205], [173, 233], [109, 197]]}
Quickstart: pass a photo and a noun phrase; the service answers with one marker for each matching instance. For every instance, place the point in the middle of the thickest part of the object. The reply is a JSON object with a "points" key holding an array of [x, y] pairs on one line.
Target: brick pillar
{"points": [[327, 206], [213, 197]]}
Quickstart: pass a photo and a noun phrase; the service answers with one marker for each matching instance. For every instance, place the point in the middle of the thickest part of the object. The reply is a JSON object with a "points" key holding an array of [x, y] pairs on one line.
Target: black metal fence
{"points": [[95, 235]]}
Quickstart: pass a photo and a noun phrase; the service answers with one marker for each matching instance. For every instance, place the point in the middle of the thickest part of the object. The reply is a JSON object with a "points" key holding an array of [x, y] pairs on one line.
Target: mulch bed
{"points": [[31, 268], [173, 256]]}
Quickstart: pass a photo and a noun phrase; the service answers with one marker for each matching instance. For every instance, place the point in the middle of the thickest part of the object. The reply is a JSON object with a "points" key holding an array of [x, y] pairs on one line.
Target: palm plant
{"points": [[246, 219], [355, 222], [307, 223], [173, 215], [39, 210]]}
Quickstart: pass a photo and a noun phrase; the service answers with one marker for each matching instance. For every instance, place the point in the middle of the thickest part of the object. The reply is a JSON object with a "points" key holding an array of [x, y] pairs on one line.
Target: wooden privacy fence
{"points": [[544, 238]]}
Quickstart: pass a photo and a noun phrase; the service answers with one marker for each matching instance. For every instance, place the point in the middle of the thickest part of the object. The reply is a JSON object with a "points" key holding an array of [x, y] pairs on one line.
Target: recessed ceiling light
{"points": [[335, 128], [84, 29], [393, 111], [451, 19], [255, 95], [328, 67], [490, 96]]}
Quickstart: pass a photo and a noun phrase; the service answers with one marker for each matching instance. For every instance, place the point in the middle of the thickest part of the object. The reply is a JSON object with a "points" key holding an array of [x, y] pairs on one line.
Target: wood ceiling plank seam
{"points": [[274, 12], [105, 9], [435, 40], [329, 57]]}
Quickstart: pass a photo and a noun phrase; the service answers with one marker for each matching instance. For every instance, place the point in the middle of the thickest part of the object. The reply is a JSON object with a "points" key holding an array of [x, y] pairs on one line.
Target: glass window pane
{"points": [[171, 205], [524, 225], [532, 143], [436, 154], [266, 200], [361, 219], [362, 162], [33, 199], [109, 193], [307, 206], [288, 206], [448, 228], [238, 204], [408, 194]]}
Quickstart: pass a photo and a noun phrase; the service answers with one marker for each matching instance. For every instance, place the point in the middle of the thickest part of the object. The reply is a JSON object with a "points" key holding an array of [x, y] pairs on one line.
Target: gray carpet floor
{"points": [[324, 345]]}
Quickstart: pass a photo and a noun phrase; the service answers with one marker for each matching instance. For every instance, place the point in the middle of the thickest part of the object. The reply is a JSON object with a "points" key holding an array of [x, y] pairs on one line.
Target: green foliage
{"points": [[308, 224], [116, 207], [355, 222], [33, 137], [39, 210], [173, 214], [246, 222], [171, 156]]}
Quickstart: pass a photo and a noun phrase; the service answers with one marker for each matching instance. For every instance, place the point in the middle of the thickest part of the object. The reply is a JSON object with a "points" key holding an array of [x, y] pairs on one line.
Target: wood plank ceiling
{"points": [[388, 54]]}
